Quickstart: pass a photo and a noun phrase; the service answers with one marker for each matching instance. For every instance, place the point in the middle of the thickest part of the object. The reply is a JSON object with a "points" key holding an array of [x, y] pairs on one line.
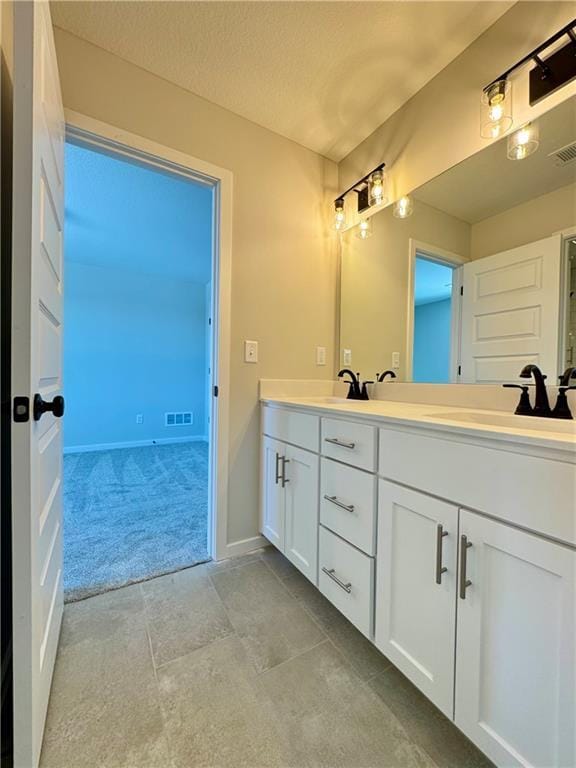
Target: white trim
{"points": [[442, 256], [242, 547], [134, 444], [105, 136]]}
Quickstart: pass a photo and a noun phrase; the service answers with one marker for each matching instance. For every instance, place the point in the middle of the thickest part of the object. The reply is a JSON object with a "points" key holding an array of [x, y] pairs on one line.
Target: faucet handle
{"points": [[524, 407], [562, 409]]}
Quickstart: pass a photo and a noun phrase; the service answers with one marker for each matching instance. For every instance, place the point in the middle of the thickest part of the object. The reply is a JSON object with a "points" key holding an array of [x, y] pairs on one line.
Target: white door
{"points": [[273, 496], [416, 588], [36, 364], [516, 665], [510, 313], [301, 480]]}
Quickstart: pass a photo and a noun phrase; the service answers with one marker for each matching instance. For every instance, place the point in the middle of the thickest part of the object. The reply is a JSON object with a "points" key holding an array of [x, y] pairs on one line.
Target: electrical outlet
{"points": [[396, 360], [250, 351], [320, 355], [139, 418], [347, 356]]}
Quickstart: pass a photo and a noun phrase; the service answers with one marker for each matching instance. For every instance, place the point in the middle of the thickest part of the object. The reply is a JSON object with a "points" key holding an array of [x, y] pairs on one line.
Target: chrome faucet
{"points": [[541, 404]]}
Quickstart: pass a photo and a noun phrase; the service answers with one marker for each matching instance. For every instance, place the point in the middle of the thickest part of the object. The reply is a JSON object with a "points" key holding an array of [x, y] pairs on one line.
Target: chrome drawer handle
{"points": [[334, 500], [330, 572], [440, 569], [464, 581], [340, 443]]}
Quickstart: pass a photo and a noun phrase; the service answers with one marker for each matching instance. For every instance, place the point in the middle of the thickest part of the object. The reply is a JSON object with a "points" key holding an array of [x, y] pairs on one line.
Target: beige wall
{"points": [[533, 220], [374, 287], [440, 125], [284, 260]]}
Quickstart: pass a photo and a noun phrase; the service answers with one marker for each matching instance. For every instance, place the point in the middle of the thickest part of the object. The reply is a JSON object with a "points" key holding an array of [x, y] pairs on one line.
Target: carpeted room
{"points": [[136, 379]]}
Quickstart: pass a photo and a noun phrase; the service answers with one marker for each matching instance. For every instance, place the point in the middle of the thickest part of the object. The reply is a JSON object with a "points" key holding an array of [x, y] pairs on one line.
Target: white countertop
{"points": [[528, 431]]}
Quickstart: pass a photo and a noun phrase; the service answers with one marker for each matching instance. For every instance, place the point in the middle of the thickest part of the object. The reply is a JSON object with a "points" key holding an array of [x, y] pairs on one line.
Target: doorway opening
{"points": [[138, 340]]}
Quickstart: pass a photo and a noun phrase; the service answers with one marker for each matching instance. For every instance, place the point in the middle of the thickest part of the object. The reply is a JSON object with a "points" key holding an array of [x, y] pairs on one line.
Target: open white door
{"points": [[510, 313], [38, 209]]}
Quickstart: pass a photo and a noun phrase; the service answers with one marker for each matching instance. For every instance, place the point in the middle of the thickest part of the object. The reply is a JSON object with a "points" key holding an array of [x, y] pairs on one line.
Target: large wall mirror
{"points": [[480, 279]]}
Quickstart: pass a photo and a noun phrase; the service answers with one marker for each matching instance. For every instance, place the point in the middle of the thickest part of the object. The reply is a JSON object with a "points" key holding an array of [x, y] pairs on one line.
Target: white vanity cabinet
{"points": [[515, 654]]}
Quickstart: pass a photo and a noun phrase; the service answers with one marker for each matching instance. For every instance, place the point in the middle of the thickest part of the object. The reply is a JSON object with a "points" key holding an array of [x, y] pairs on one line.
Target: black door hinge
{"points": [[459, 370], [21, 409], [216, 390], [461, 290]]}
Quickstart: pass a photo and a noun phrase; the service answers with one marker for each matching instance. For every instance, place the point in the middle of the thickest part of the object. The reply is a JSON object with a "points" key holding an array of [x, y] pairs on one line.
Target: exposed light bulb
{"points": [[403, 207], [339, 215], [496, 109], [523, 142], [364, 229], [376, 183]]}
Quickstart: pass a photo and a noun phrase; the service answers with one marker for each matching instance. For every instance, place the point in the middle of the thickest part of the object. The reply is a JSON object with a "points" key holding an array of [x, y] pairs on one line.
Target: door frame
{"points": [[440, 256], [567, 235], [89, 132]]}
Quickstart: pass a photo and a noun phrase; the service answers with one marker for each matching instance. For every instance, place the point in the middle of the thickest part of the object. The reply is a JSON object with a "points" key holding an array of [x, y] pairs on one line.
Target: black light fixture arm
{"points": [[363, 180], [534, 55]]}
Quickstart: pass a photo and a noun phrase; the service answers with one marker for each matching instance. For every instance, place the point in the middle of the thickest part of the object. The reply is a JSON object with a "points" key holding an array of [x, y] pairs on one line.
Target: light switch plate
{"points": [[250, 351], [320, 355], [396, 360], [347, 356]]}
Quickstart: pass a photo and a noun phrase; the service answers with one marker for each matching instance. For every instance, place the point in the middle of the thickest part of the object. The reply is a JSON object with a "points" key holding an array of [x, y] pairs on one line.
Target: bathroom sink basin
{"points": [[332, 400], [510, 421]]}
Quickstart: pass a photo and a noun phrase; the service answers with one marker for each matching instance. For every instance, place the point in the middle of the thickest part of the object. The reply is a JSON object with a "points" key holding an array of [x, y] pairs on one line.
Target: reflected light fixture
{"points": [[523, 142], [364, 230], [403, 207], [496, 109], [339, 214]]}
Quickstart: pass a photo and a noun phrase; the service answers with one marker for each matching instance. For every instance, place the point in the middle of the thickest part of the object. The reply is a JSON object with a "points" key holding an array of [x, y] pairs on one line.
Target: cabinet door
{"points": [[301, 478], [272, 493], [515, 662], [416, 589]]}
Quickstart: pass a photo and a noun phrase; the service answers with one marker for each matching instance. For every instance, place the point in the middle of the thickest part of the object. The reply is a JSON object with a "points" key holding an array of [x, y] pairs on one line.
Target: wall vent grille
{"points": [[178, 419], [565, 155]]}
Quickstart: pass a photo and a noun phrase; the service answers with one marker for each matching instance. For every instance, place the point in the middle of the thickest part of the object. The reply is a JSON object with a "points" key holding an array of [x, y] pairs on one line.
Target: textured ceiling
{"points": [[324, 74]]}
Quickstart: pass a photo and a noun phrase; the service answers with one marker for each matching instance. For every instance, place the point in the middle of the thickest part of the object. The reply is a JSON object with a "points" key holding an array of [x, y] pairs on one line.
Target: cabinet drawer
{"points": [[302, 429], [349, 442], [348, 504], [346, 578]]}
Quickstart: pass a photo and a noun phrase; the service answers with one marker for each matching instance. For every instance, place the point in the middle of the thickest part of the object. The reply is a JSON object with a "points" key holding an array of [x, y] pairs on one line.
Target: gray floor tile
{"points": [[425, 724], [234, 562], [214, 716], [184, 613], [329, 717], [358, 650], [281, 566], [104, 707], [270, 622]]}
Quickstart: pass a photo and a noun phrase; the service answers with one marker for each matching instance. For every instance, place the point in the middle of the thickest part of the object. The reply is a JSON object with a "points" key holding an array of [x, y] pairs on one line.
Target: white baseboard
{"points": [[242, 547], [134, 444]]}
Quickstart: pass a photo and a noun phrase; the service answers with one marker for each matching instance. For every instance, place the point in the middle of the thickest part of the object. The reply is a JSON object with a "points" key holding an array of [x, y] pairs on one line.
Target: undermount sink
{"points": [[533, 423]]}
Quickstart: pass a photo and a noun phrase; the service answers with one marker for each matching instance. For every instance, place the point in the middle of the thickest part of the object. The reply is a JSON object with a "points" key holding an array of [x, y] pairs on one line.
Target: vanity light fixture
{"points": [[547, 76], [376, 187], [364, 230], [523, 142], [339, 214], [403, 207]]}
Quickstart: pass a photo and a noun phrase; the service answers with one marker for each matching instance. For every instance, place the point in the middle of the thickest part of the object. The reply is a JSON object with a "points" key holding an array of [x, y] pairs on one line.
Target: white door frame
{"points": [[440, 256], [89, 131], [567, 234]]}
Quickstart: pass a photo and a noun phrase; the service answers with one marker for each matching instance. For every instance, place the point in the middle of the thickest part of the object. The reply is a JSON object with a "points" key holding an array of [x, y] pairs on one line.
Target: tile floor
{"points": [[241, 664]]}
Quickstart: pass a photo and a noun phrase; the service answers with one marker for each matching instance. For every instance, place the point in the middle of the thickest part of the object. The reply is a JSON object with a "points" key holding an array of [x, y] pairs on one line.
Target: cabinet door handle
{"points": [[284, 478], [338, 503], [340, 443], [330, 572], [277, 478], [440, 569], [464, 582]]}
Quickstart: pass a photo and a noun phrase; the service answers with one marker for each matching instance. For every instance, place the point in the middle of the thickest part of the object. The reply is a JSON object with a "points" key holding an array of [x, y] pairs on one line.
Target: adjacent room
{"points": [[136, 370]]}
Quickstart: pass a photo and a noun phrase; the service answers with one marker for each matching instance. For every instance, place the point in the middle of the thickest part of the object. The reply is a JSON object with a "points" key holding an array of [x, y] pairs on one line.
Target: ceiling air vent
{"points": [[565, 155]]}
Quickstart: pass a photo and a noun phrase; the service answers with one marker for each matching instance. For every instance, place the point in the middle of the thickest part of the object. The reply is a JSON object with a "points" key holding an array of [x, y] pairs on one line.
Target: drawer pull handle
{"points": [[338, 503], [330, 572], [284, 478], [440, 569], [278, 476], [464, 582], [340, 443]]}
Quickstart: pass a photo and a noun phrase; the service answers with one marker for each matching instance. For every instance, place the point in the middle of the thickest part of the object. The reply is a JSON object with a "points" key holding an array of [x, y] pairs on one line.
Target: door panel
{"points": [[36, 343], [416, 616], [301, 479], [510, 313], [516, 665], [273, 497]]}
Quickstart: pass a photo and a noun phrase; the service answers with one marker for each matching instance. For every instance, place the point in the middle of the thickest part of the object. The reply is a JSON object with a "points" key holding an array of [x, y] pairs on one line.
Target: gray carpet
{"points": [[133, 513]]}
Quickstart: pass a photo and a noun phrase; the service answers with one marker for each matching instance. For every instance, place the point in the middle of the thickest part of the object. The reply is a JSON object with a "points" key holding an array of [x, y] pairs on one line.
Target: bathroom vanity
{"points": [[447, 536]]}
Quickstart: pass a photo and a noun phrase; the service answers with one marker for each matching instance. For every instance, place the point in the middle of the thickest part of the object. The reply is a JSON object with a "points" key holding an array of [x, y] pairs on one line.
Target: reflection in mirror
{"points": [[480, 279]]}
